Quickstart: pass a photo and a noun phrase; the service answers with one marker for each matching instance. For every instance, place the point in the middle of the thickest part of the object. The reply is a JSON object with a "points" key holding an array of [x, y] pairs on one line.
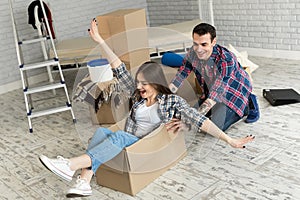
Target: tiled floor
{"points": [[269, 168]]}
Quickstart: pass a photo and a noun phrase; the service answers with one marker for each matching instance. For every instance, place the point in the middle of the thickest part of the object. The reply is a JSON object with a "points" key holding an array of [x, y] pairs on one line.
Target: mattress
{"points": [[173, 37]]}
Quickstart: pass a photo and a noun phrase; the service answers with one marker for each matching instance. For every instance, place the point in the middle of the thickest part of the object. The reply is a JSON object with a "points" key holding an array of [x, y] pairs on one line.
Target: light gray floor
{"points": [[269, 168]]}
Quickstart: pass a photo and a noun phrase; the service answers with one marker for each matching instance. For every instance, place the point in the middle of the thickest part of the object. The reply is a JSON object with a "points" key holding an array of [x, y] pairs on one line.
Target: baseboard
{"points": [[18, 84], [270, 53]]}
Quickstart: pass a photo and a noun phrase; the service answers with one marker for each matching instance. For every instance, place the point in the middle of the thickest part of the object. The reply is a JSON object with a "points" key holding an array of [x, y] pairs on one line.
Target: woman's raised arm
{"points": [[106, 52]]}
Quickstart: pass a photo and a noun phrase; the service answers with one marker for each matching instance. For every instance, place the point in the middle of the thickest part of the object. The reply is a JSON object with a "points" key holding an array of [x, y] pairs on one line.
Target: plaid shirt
{"points": [[221, 78], [169, 106]]}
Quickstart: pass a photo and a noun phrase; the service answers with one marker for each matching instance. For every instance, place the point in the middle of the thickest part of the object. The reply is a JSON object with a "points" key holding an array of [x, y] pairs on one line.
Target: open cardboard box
{"points": [[144, 161]]}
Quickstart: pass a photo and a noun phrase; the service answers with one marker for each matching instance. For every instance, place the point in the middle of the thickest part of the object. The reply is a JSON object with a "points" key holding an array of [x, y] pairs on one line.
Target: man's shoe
{"points": [[81, 189], [254, 113], [59, 166]]}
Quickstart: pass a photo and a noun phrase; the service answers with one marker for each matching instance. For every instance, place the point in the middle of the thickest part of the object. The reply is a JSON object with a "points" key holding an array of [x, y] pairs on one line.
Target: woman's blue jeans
{"points": [[105, 145]]}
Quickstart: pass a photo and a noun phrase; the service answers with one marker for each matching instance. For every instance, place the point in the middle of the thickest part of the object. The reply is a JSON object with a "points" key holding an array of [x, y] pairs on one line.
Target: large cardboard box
{"points": [[144, 161], [125, 31]]}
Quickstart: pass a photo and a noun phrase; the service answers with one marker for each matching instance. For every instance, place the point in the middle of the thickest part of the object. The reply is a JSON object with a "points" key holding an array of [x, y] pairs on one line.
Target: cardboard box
{"points": [[109, 114], [125, 31], [141, 163]]}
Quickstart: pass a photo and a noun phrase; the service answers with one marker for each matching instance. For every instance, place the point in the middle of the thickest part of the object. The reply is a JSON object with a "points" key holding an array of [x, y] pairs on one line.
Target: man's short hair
{"points": [[204, 28]]}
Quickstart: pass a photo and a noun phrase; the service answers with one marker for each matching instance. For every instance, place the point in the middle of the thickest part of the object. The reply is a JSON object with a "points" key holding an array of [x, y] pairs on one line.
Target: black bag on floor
{"points": [[277, 97]]}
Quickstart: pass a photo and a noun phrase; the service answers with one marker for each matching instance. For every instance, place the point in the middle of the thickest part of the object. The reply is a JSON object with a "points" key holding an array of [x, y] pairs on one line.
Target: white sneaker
{"points": [[81, 189], [59, 166]]}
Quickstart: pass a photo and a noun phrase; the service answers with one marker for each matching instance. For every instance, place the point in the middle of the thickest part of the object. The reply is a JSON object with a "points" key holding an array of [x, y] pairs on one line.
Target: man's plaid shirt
{"points": [[227, 82], [170, 106]]}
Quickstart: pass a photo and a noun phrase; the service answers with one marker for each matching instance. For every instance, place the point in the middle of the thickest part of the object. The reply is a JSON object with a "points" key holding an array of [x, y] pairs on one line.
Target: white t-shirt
{"points": [[147, 118]]}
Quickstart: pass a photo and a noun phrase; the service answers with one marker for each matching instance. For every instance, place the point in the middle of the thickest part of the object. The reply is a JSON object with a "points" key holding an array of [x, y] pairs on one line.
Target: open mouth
{"points": [[142, 92]]}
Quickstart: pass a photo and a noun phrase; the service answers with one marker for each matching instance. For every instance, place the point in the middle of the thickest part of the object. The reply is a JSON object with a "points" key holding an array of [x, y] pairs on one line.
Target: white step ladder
{"points": [[46, 63]]}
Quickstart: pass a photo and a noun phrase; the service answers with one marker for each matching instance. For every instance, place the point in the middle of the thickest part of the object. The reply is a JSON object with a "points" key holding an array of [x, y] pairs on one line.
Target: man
{"points": [[226, 88]]}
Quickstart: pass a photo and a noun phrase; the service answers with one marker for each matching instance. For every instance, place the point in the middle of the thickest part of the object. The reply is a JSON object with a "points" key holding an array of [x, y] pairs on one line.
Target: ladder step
{"points": [[44, 88], [49, 111], [39, 64], [34, 40]]}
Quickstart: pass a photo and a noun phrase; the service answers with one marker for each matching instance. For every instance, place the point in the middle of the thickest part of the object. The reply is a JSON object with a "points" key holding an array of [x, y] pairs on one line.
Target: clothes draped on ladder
{"points": [[31, 18]]}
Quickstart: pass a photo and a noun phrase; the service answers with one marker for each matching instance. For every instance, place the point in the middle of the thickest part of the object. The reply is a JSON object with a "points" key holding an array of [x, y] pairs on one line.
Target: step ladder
{"points": [[47, 63]]}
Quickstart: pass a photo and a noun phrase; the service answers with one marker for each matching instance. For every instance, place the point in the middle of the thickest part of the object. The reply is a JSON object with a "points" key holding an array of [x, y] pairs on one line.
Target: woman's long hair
{"points": [[155, 76]]}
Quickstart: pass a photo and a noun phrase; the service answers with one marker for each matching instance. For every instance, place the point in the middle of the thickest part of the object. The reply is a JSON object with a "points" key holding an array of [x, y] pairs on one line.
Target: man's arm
{"points": [[182, 73], [206, 106]]}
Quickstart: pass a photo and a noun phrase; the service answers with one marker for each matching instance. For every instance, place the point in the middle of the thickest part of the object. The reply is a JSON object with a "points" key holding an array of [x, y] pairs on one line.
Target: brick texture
{"points": [[262, 24], [70, 18], [272, 24]]}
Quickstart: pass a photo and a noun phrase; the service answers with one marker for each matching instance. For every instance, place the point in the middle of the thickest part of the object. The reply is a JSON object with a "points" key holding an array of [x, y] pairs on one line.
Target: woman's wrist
{"points": [[101, 41]]}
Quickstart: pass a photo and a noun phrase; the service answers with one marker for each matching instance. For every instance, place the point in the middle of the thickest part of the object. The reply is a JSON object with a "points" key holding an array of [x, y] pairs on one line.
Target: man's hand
{"points": [[176, 125], [206, 106]]}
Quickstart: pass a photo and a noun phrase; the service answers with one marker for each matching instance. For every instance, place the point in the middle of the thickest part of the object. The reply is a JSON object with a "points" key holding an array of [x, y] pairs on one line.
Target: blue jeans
{"points": [[105, 145], [221, 115]]}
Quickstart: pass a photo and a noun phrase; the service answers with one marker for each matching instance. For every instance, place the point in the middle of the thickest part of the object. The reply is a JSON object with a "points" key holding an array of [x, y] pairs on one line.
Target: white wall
{"points": [[171, 11], [71, 19], [268, 28], [263, 27]]}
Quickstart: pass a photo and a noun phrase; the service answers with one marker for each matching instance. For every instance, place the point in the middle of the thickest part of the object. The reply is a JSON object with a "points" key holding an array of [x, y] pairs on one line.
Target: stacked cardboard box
{"points": [[125, 31]]}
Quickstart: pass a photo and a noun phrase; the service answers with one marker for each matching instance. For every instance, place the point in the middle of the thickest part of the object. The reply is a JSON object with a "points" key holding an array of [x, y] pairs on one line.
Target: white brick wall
{"points": [[266, 25], [71, 19], [256, 25], [171, 11], [269, 23]]}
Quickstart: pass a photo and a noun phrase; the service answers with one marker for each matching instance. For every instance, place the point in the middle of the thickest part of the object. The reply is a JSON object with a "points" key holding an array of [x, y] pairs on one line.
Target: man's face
{"points": [[203, 46]]}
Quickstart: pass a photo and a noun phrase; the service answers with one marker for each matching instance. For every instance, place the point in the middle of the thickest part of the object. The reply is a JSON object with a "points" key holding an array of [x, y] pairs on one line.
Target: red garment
{"points": [[31, 18]]}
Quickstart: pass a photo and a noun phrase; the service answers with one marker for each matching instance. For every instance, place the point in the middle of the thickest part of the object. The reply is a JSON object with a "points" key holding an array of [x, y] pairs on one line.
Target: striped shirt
{"points": [[169, 106], [221, 78]]}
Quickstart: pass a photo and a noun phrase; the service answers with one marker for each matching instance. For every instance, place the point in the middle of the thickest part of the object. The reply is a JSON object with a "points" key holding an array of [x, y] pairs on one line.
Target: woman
{"points": [[155, 104]]}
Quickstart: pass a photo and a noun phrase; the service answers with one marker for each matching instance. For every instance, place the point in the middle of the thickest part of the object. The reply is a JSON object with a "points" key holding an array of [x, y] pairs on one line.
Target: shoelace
{"points": [[80, 181], [63, 160]]}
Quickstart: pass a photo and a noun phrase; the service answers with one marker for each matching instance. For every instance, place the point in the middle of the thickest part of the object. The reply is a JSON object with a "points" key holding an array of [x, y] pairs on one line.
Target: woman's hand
{"points": [[240, 143], [94, 32], [176, 125], [106, 51]]}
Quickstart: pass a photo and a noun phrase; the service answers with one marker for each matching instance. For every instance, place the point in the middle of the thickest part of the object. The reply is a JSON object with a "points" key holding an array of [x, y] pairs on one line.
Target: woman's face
{"points": [[146, 90]]}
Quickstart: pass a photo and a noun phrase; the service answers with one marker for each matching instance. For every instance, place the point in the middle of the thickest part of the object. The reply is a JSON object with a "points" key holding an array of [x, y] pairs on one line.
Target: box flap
{"points": [[156, 151]]}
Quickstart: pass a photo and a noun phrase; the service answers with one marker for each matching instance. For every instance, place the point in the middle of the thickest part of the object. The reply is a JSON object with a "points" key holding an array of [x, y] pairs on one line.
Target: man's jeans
{"points": [[105, 145], [221, 115]]}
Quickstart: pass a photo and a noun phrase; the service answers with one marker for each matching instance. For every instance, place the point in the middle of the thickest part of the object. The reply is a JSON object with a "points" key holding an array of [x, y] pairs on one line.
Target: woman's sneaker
{"points": [[59, 166], [81, 189]]}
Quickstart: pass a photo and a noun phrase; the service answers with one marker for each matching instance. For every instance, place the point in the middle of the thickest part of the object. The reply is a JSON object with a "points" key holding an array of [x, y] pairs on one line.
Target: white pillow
{"points": [[242, 57]]}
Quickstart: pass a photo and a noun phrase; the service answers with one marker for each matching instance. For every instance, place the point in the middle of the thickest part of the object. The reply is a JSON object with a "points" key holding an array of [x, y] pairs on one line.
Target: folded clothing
{"points": [[97, 93]]}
